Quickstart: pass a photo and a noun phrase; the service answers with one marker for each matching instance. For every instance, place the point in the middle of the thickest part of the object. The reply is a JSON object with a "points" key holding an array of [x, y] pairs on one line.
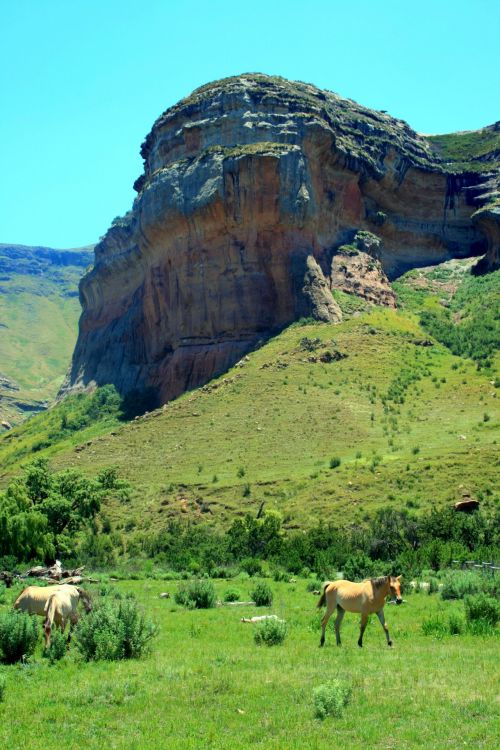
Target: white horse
{"points": [[56, 603]]}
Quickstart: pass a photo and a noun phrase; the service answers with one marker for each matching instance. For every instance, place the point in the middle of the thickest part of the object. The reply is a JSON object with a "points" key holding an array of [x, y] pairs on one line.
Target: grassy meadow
{"points": [[206, 684]]}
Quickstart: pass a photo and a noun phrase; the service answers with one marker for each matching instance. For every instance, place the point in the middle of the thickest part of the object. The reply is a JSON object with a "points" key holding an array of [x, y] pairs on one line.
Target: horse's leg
{"points": [[381, 617], [47, 631], [364, 620], [338, 623], [73, 621], [329, 611]]}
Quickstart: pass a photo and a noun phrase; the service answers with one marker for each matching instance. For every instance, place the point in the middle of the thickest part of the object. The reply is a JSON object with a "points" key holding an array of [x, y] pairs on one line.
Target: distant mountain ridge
{"points": [[39, 311]]}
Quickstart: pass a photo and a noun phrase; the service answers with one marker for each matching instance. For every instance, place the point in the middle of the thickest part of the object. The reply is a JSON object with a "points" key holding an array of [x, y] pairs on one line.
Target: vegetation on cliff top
{"points": [[475, 150]]}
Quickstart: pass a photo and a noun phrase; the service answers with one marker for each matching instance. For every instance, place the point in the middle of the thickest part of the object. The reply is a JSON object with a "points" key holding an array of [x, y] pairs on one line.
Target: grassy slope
{"points": [[39, 317], [207, 685], [282, 418], [475, 150]]}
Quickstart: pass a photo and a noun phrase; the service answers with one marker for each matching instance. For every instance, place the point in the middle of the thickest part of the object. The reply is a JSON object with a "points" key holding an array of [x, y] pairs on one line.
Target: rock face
{"points": [[356, 269], [250, 187]]}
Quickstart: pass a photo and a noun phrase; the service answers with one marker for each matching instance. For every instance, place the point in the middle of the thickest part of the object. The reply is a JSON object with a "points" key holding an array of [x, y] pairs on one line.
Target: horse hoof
{"points": [[360, 644], [389, 643]]}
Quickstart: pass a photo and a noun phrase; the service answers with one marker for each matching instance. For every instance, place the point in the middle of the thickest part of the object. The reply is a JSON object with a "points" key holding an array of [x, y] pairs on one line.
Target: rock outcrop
{"points": [[250, 187]]}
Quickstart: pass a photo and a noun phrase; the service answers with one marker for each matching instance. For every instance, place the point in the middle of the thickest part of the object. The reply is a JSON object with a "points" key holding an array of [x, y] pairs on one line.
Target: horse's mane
{"points": [[378, 582]]}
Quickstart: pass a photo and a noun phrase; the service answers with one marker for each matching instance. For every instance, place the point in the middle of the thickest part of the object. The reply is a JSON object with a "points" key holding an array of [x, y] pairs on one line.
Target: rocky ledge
{"points": [[253, 188]]}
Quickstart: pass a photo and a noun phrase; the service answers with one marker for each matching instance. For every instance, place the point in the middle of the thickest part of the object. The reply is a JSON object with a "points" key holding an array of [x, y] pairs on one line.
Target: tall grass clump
{"points": [[196, 594], [114, 630], [482, 613], [3, 685], [331, 699], [457, 584], [270, 632], [18, 636], [262, 595]]}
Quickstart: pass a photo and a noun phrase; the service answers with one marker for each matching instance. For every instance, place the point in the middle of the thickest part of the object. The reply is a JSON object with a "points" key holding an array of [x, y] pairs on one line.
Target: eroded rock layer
{"points": [[251, 186]]}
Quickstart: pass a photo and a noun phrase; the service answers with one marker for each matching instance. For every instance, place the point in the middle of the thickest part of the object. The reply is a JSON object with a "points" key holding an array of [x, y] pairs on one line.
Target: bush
{"points": [[114, 631], [280, 575], [335, 462], [262, 595], [433, 585], [482, 607], [270, 632], [232, 595], [57, 648], [251, 566], [18, 636], [196, 594], [357, 566], [457, 584], [314, 585], [331, 699]]}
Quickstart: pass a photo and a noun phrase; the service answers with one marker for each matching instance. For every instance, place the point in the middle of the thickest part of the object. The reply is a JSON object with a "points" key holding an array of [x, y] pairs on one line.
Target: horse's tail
{"points": [[50, 608], [323, 595]]}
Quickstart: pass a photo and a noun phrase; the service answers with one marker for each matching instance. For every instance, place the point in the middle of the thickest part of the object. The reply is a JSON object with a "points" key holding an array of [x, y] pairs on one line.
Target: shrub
{"points": [[18, 636], [280, 575], [262, 595], [482, 607], [314, 585], [433, 585], [251, 566], [457, 584], [335, 462], [331, 699], [232, 595], [270, 632], [114, 631], [357, 566], [57, 648], [196, 594]]}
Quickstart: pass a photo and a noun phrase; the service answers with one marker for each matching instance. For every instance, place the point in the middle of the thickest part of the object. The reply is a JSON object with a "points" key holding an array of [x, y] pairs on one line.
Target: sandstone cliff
{"points": [[251, 186]]}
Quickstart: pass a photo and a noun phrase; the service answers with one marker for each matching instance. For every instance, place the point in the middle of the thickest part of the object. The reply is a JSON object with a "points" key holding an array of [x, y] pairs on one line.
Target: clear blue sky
{"points": [[82, 82]]}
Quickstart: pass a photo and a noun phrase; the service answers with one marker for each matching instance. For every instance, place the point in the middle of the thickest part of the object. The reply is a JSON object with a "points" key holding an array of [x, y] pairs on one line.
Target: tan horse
{"points": [[367, 598], [35, 599]]}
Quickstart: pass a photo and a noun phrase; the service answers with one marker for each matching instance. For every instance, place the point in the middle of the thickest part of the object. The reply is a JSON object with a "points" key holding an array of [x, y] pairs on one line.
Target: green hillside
{"points": [[39, 312], [322, 422]]}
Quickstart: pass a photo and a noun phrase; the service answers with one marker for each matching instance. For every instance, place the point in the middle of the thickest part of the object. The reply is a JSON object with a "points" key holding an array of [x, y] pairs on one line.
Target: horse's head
{"points": [[86, 599], [395, 587]]}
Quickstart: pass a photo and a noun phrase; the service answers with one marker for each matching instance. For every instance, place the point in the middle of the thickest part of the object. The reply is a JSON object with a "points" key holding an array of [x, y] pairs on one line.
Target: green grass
{"points": [[208, 685]]}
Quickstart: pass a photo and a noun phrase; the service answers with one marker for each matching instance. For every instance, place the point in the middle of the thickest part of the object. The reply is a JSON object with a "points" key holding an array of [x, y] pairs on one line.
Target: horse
{"points": [[366, 598], [60, 607], [35, 600]]}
